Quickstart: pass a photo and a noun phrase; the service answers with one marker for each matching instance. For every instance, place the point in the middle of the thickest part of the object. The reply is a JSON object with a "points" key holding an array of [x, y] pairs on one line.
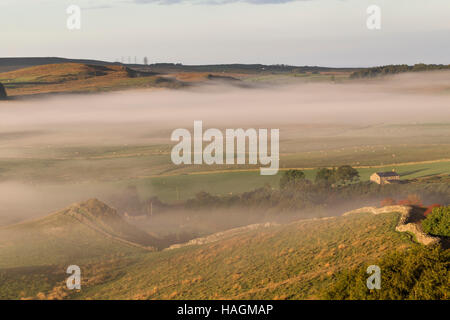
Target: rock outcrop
{"points": [[3, 94]]}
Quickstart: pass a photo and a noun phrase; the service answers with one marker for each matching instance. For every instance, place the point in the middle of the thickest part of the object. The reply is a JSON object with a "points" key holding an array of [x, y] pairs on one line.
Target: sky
{"points": [[295, 32]]}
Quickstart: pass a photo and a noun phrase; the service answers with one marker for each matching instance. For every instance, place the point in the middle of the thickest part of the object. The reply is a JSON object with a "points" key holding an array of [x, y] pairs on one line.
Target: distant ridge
{"points": [[11, 64], [78, 78]]}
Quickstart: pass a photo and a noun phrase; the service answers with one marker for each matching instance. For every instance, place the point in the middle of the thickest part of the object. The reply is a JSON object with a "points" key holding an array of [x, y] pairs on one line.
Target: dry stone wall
{"points": [[403, 224]]}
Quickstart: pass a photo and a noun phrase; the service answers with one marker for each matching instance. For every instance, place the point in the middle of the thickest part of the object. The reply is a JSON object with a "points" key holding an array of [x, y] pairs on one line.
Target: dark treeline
{"points": [[394, 69], [305, 195]]}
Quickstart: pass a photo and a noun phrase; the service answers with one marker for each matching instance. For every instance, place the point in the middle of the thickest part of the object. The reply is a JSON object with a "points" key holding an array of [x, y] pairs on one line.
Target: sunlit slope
{"points": [[78, 77], [84, 231], [57, 73], [293, 261]]}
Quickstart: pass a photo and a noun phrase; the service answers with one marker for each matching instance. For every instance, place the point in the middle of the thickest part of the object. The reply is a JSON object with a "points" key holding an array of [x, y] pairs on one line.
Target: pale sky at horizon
{"points": [[302, 32]]}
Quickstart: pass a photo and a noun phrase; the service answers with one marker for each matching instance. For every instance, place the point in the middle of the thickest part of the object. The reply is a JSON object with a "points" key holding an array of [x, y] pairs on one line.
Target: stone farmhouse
{"points": [[385, 177]]}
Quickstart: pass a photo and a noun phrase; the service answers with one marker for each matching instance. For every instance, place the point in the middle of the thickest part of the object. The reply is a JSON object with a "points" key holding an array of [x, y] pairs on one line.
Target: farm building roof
{"points": [[388, 174]]}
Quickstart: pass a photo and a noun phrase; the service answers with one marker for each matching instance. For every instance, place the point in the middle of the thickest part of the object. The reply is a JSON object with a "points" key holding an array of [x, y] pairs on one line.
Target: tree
{"points": [[437, 223], [430, 208], [292, 178], [145, 60], [346, 174], [326, 176]]}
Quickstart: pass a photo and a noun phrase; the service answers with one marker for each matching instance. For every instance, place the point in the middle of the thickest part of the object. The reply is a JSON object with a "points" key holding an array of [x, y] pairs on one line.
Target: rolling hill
{"points": [[83, 231], [76, 78], [11, 64], [59, 73], [293, 261]]}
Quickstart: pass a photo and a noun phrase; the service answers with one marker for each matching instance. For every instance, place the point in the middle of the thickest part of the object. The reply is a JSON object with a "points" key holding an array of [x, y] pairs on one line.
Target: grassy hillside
{"points": [[293, 261], [11, 64], [299, 260], [57, 73]]}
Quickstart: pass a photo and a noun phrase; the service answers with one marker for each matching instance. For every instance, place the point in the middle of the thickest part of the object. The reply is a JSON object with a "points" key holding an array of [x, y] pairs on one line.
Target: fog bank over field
{"points": [[147, 116], [31, 129]]}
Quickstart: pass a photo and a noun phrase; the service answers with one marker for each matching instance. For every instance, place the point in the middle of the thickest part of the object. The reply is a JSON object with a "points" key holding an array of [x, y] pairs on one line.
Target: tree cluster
{"points": [[394, 69]]}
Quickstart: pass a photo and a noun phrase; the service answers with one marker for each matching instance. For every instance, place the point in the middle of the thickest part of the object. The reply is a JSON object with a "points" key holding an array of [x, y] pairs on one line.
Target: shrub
{"points": [[437, 223], [421, 273], [430, 209]]}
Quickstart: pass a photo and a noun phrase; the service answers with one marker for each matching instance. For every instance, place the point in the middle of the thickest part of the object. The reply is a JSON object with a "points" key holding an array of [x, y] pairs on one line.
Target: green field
{"points": [[185, 186]]}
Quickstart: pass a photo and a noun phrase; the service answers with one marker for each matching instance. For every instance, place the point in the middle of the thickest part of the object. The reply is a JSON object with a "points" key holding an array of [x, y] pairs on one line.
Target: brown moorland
{"points": [[76, 77]]}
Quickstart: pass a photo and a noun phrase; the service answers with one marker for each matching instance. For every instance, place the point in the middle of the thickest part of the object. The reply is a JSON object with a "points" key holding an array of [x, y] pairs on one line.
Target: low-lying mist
{"points": [[146, 116], [32, 129]]}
